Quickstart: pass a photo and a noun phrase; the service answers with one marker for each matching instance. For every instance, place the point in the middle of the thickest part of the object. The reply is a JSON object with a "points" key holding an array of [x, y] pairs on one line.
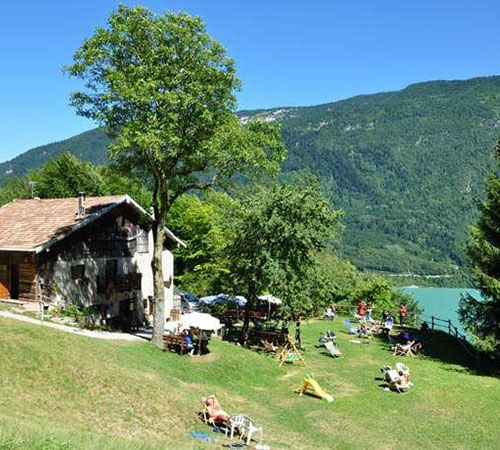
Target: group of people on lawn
{"points": [[368, 325], [364, 312]]}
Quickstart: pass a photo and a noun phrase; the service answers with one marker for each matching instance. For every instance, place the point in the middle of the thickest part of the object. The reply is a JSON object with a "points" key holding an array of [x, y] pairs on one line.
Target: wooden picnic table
{"points": [[175, 342], [276, 337]]}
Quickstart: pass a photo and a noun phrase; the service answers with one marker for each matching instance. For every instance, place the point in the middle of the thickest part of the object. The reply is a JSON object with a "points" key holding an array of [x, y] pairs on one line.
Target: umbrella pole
{"points": [[269, 310], [199, 341]]}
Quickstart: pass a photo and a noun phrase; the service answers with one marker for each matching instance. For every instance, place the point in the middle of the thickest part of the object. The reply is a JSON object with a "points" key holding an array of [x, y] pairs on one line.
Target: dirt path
{"points": [[88, 333]]}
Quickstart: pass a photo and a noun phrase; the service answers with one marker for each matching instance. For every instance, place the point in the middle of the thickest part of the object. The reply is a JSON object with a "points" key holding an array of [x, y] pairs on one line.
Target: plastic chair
{"points": [[245, 426]]}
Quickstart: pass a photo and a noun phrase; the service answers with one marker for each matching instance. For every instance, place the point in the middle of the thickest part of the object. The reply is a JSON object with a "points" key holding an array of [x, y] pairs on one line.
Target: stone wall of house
{"points": [[80, 277]]}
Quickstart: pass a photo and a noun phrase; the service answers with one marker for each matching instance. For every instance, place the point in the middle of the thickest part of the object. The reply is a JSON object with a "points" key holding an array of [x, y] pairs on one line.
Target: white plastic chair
{"points": [[245, 426]]}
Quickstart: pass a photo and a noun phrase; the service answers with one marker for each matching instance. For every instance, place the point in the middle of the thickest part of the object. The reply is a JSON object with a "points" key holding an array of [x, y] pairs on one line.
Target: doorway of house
{"points": [[14, 281]]}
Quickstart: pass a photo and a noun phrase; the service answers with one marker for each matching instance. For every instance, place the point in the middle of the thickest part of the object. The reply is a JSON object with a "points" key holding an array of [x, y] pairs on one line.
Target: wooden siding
{"points": [[27, 282]]}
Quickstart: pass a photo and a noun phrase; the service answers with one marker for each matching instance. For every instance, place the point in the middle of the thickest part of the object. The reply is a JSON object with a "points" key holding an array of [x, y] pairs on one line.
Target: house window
{"points": [[78, 272], [143, 242], [111, 269]]}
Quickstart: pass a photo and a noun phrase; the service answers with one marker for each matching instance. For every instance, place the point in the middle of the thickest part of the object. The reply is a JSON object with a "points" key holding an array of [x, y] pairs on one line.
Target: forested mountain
{"points": [[405, 166], [89, 146]]}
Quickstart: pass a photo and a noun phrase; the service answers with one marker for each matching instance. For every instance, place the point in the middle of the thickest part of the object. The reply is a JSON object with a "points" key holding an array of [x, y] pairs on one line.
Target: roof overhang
{"points": [[17, 249], [88, 220]]}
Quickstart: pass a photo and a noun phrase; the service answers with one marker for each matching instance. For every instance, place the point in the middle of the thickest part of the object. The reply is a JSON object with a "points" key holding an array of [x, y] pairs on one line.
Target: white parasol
{"points": [[271, 299], [202, 321]]}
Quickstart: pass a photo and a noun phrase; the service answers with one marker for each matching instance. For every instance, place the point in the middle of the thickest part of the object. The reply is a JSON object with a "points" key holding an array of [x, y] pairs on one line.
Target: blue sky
{"points": [[288, 52]]}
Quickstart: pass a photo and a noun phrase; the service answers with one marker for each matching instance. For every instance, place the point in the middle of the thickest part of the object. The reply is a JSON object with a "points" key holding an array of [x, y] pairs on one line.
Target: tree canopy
{"points": [[482, 316], [165, 90], [67, 176], [276, 231]]}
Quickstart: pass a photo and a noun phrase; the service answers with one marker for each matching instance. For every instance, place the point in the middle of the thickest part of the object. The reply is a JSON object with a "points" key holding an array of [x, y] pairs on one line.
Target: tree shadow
{"points": [[440, 346]]}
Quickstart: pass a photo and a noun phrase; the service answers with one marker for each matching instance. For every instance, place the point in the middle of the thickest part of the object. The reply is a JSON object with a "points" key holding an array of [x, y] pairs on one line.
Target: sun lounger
{"points": [[404, 350], [397, 379], [332, 349], [213, 416], [269, 347], [350, 328]]}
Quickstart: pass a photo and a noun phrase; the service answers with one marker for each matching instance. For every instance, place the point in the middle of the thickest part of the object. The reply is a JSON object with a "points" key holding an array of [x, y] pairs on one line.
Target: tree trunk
{"points": [[248, 307], [246, 323], [159, 293]]}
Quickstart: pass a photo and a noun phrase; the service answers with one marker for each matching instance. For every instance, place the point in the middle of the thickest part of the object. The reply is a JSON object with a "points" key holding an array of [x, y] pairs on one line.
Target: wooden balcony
{"points": [[124, 283]]}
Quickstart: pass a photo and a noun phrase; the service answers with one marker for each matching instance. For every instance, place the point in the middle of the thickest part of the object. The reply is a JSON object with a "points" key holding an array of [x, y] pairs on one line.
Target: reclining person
{"points": [[403, 349], [397, 379], [214, 410], [329, 336]]}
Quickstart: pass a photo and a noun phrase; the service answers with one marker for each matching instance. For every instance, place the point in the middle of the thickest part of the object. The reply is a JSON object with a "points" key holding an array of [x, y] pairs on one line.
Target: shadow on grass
{"points": [[440, 346]]}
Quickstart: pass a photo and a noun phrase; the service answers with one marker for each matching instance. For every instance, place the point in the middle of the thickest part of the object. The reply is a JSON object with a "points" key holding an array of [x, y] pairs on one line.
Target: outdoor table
{"points": [[175, 342]]}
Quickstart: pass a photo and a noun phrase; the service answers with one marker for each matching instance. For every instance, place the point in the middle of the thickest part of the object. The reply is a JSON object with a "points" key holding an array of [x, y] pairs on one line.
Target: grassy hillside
{"points": [[405, 166], [66, 391]]}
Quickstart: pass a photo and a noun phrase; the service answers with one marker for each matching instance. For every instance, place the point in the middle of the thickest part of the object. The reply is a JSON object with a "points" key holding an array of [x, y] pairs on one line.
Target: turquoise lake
{"points": [[441, 302]]}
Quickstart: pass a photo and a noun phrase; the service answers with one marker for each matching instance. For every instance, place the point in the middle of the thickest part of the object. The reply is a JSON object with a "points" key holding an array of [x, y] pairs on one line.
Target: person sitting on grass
{"points": [[403, 382], [397, 379], [375, 328], [362, 330]]}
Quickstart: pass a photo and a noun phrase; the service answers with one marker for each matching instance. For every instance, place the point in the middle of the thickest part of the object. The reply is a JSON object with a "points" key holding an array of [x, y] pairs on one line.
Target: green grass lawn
{"points": [[59, 390]]}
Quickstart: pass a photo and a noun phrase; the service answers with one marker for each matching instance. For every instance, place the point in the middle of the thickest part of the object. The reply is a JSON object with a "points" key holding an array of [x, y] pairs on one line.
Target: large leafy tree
{"points": [[166, 91], [276, 233], [66, 177], [482, 316], [201, 267]]}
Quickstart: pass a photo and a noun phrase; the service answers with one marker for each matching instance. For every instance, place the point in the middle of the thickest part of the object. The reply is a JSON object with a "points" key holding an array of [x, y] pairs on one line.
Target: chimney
{"points": [[80, 212]]}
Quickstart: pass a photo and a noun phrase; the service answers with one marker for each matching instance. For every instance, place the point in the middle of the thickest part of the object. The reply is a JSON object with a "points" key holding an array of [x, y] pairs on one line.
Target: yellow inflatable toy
{"points": [[311, 386]]}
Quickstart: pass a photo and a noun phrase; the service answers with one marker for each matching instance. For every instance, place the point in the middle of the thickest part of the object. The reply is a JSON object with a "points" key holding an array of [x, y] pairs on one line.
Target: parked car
{"points": [[189, 302]]}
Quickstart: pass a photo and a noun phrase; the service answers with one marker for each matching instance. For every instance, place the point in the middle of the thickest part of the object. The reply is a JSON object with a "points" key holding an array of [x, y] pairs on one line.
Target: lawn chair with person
{"points": [[213, 415], [397, 379], [350, 328], [404, 349], [333, 349]]}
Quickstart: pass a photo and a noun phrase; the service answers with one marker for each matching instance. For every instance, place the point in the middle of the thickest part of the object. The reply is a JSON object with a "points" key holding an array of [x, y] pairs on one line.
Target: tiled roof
{"points": [[27, 224]]}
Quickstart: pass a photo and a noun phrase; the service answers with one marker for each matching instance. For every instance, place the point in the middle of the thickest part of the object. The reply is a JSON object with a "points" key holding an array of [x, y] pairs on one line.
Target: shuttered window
{"points": [[143, 242]]}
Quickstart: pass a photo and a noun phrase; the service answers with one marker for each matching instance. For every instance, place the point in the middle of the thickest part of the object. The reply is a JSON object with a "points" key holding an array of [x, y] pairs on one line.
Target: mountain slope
{"points": [[406, 166], [88, 146]]}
